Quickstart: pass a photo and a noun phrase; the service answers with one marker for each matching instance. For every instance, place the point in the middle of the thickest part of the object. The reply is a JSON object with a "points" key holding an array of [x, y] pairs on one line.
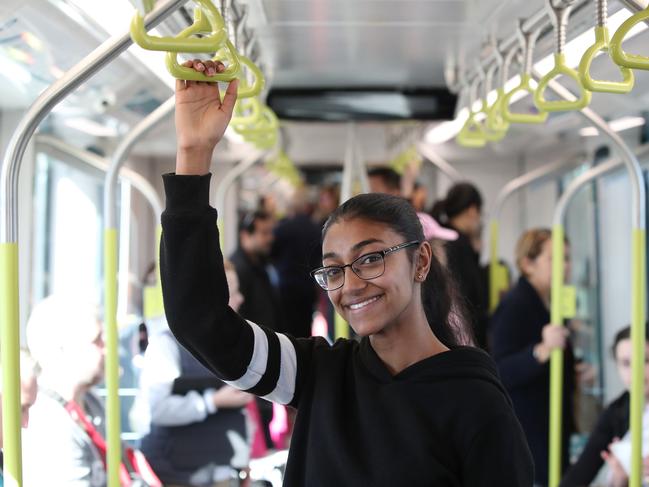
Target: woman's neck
{"points": [[405, 343]]}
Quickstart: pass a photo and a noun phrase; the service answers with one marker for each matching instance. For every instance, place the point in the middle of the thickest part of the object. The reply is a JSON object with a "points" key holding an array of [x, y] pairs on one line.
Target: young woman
{"points": [[405, 405], [522, 342], [613, 424]]}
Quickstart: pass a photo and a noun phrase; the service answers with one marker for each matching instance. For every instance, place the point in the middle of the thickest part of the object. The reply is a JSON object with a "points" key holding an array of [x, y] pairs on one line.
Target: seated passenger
{"points": [[198, 425], [404, 405], [612, 425], [523, 340], [28, 391]]}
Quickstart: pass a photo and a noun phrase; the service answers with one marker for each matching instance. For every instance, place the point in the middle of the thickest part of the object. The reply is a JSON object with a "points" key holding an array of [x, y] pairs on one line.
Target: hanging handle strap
{"points": [[619, 55]]}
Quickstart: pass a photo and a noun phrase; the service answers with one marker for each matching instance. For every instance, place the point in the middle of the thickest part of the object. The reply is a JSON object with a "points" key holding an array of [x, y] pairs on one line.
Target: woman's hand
{"points": [[554, 337], [228, 397], [201, 118]]}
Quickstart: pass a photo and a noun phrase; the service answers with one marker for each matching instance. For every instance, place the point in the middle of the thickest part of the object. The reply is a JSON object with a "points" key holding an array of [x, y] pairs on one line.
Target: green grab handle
{"points": [[495, 121], [114, 445], [602, 45], [265, 143], [254, 115], [569, 302], [556, 359], [619, 56], [10, 352], [207, 19], [231, 72], [472, 134], [490, 135], [267, 122], [247, 90], [561, 69], [638, 323], [527, 118]]}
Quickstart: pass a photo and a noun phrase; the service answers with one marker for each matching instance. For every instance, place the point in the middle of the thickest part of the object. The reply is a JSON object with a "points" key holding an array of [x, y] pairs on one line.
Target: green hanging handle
{"points": [[207, 19], [619, 56], [268, 122], [495, 121], [227, 54], [246, 89], [561, 69], [527, 40], [472, 134], [560, 16], [602, 44], [501, 127], [246, 112]]}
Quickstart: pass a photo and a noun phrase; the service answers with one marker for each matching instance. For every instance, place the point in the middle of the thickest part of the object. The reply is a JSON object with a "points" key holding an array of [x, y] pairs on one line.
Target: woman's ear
{"points": [[424, 258]]}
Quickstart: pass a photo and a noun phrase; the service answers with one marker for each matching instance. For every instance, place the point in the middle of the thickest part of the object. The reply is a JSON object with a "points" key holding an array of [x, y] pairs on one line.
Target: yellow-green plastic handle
{"points": [[619, 56], [490, 134], [495, 121], [602, 45], [228, 54], [267, 123], [556, 360], [561, 69], [266, 142], [529, 118], [10, 345], [246, 112], [249, 90], [207, 19], [472, 134]]}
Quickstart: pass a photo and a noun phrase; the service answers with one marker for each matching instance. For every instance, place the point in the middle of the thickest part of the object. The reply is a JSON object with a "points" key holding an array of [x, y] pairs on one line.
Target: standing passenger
{"points": [[523, 340], [405, 405], [461, 211]]}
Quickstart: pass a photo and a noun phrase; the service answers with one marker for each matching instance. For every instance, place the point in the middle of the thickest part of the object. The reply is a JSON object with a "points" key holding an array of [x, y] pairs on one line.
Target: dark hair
{"points": [[442, 305], [625, 334], [459, 198], [390, 177], [249, 220]]}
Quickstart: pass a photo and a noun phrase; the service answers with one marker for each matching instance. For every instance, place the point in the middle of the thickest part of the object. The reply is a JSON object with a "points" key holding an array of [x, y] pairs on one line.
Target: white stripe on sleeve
{"points": [[258, 362], [285, 389]]}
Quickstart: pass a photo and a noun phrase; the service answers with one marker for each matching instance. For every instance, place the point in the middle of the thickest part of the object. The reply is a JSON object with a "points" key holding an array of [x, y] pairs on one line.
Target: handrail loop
{"points": [[621, 57], [602, 44], [527, 41], [560, 17]]}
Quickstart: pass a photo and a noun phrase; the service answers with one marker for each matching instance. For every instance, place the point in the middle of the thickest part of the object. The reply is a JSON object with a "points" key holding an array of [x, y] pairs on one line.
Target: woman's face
{"points": [[623, 352], [539, 270], [236, 298], [371, 306]]}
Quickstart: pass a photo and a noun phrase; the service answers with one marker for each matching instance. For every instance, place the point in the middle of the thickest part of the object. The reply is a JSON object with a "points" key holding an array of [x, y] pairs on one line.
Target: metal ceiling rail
{"points": [[439, 162], [9, 312]]}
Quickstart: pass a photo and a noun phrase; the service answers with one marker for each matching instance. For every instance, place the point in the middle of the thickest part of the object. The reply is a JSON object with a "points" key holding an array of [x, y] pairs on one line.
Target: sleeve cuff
{"points": [[208, 397], [186, 192]]}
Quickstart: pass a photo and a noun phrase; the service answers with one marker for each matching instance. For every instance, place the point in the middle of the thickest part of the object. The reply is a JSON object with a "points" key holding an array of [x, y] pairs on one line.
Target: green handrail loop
{"points": [[268, 122], [495, 120], [602, 44], [621, 57], [472, 134], [560, 16], [246, 112], [207, 19], [247, 89], [527, 41], [495, 128], [227, 53]]}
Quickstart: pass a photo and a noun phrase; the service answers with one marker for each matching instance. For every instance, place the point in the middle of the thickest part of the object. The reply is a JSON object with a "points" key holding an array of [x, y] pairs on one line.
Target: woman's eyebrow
{"points": [[355, 247]]}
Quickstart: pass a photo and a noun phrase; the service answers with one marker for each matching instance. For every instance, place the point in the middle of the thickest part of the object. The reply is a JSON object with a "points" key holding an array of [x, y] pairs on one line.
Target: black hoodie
{"points": [[444, 421]]}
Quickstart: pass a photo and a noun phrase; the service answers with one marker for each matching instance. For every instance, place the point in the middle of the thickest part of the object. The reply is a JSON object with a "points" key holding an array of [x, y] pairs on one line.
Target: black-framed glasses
{"points": [[367, 267]]}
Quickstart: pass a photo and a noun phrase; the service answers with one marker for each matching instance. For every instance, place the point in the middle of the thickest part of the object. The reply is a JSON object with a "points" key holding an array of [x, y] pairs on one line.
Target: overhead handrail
{"points": [[602, 44], [542, 173], [618, 54], [638, 307], [439, 162], [495, 121], [560, 16], [528, 41], [472, 134], [207, 20], [9, 172]]}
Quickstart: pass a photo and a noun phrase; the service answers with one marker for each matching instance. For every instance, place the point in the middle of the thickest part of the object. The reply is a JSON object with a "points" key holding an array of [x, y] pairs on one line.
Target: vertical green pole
{"points": [[112, 357], [10, 350], [341, 327], [638, 316], [494, 292], [556, 360]]}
